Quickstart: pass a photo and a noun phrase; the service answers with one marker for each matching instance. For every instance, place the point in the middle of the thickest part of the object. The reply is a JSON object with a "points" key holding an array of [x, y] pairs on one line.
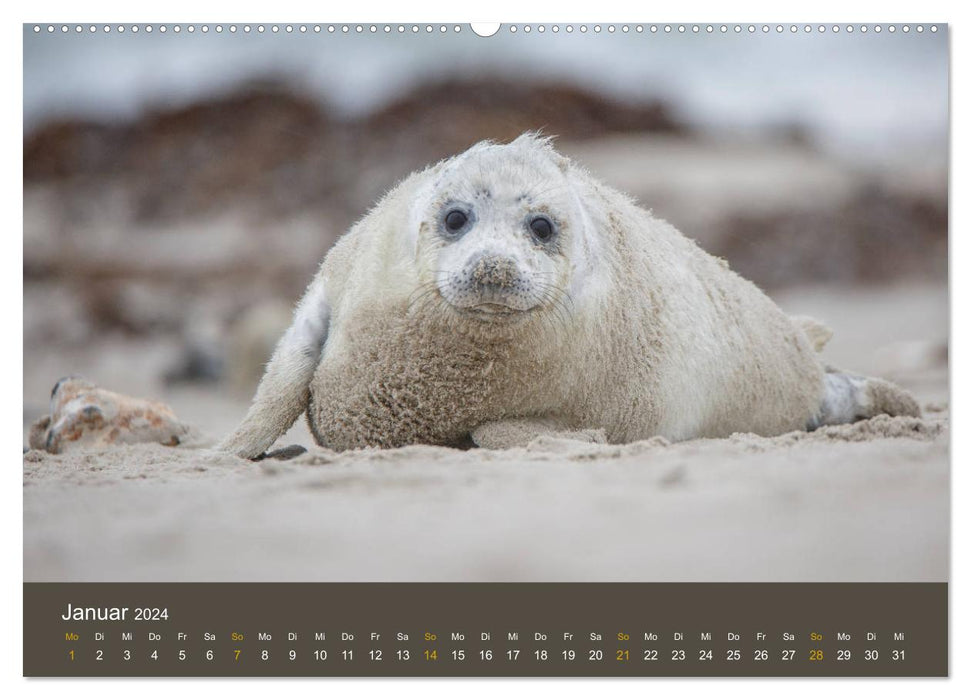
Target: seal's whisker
{"points": [[551, 299], [422, 289], [554, 188], [419, 296]]}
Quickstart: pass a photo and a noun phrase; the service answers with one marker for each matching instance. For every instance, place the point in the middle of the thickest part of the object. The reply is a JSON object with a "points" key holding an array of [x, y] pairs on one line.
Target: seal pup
{"points": [[505, 293]]}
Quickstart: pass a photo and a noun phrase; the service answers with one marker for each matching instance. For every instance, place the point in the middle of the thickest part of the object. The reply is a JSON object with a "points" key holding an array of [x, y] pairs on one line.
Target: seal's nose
{"points": [[493, 271]]}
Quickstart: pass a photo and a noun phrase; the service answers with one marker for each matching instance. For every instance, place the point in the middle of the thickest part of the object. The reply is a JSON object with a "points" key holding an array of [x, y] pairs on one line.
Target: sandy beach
{"points": [[864, 502]]}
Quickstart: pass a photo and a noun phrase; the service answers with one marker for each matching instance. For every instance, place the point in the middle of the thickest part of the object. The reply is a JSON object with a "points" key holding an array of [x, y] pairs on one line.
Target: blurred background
{"points": [[181, 189]]}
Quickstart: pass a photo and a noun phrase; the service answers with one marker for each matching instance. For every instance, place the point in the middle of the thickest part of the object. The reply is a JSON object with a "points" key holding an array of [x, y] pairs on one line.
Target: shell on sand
{"points": [[85, 415]]}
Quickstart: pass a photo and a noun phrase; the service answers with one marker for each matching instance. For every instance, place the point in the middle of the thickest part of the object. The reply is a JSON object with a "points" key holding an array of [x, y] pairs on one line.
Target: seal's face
{"points": [[495, 231]]}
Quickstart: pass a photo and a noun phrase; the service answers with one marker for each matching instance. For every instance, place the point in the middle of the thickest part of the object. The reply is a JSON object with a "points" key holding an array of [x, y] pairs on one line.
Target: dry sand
{"points": [[867, 502]]}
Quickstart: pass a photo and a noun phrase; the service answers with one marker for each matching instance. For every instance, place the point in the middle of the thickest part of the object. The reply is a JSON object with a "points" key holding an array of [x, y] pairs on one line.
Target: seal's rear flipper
{"points": [[849, 397]]}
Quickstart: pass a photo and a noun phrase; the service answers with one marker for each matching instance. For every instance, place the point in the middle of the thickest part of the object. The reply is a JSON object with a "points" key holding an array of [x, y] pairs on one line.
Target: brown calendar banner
{"points": [[485, 629]]}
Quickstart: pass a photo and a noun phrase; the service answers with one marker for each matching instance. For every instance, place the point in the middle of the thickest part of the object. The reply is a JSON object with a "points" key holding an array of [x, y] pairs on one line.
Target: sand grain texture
{"points": [[859, 502]]}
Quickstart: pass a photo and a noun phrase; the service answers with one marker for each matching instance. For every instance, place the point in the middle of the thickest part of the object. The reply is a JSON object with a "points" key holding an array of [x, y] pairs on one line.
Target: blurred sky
{"points": [[865, 94]]}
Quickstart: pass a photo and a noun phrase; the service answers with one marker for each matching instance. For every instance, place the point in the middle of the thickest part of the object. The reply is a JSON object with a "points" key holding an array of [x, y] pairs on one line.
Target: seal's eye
{"points": [[456, 220], [542, 228]]}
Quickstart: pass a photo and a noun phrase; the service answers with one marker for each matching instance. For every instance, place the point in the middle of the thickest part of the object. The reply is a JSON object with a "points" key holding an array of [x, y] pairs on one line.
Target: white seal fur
{"points": [[505, 293]]}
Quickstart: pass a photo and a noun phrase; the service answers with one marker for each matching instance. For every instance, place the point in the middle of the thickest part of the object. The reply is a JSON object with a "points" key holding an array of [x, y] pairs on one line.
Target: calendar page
{"points": [[542, 349]]}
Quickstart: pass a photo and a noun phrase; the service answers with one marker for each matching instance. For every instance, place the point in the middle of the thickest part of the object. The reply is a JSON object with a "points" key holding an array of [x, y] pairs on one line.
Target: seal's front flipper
{"points": [[284, 391], [848, 398], [519, 432]]}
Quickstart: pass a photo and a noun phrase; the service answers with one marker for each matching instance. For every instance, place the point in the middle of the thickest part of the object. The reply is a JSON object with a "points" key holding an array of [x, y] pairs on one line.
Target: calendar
{"points": [[412, 629], [546, 349]]}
